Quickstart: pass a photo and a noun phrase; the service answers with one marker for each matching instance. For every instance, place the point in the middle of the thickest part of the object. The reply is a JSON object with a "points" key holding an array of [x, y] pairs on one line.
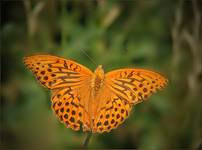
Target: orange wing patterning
{"points": [[96, 101]]}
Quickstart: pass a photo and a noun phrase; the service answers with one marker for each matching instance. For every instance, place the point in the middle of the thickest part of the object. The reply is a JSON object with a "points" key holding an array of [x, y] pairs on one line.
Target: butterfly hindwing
{"points": [[68, 107], [112, 113]]}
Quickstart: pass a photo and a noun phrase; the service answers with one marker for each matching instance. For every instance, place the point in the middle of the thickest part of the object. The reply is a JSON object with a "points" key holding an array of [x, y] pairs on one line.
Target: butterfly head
{"points": [[99, 72]]}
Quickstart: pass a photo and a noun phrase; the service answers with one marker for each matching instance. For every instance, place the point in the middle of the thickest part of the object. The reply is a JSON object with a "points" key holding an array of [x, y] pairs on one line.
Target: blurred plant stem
{"points": [[87, 140], [183, 35], [32, 15], [64, 32]]}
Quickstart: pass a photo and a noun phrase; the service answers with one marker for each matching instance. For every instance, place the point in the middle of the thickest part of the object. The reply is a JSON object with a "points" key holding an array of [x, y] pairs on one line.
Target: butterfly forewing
{"points": [[67, 81], [135, 85], [55, 72]]}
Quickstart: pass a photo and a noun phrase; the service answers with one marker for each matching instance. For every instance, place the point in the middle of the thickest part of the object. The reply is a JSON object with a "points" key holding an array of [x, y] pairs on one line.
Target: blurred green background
{"points": [[164, 36]]}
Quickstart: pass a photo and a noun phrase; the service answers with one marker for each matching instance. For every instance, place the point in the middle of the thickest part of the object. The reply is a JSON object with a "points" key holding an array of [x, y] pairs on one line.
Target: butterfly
{"points": [[93, 101]]}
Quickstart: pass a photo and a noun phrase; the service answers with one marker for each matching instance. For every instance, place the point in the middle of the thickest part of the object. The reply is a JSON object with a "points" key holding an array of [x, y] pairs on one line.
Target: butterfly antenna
{"points": [[89, 58]]}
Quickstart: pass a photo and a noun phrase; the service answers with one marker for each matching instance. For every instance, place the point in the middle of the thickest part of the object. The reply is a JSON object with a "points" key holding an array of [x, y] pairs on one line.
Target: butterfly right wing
{"points": [[70, 86], [112, 110], [122, 89], [135, 85]]}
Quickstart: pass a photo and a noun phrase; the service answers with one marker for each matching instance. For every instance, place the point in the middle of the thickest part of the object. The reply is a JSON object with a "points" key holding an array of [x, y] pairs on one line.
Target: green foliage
{"points": [[116, 34]]}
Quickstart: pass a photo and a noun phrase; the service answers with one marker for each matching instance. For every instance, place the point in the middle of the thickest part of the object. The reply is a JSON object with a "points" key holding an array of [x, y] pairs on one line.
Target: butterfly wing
{"points": [[70, 86], [55, 72], [112, 110], [122, 89], [135, 85]]}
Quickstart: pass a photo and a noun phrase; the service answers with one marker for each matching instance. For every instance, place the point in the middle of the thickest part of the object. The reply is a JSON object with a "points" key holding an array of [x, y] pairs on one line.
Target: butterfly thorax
{"points": [[97, 80]]}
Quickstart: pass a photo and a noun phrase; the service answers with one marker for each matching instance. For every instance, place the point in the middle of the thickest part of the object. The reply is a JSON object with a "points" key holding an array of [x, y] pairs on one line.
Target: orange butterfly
{"points": [[96, 101]]}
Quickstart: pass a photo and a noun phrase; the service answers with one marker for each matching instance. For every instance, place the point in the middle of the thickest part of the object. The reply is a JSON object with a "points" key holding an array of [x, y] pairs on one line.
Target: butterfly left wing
{"points": [[122, 89], [70, 86], [55, 72]]}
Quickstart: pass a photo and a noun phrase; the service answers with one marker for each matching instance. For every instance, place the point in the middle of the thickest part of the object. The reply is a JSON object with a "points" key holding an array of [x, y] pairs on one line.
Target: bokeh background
{"points": [[164, 36]]}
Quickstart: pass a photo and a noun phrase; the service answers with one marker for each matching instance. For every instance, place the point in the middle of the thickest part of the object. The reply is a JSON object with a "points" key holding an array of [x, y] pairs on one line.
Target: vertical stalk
{"points": [[87, 140], [63, 22]]}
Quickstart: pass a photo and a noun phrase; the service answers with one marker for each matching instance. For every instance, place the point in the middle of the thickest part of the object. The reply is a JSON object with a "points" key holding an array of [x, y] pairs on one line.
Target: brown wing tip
{"points": [[26, 61], [166, 81], [24, 58], [28, 57]]}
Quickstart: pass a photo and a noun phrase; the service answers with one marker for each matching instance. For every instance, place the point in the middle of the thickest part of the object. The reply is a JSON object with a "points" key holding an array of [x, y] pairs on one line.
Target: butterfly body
{"points": [[97, 80], [94, 101]]}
